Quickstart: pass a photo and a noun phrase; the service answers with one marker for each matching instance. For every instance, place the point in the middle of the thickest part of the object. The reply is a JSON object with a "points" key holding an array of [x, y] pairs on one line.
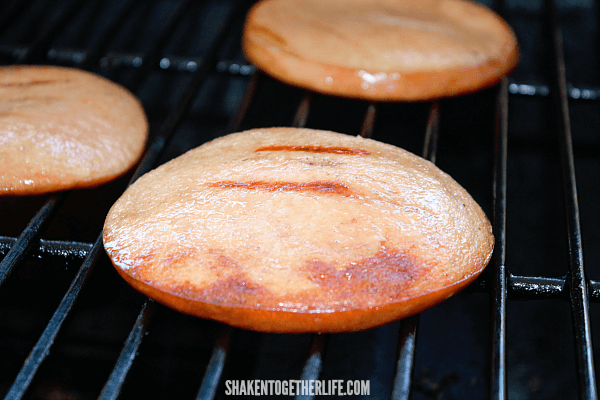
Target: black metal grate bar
{"points": [[530, 288], [51, 248], [303, 110], [35, 51], [368, 125], [152, 56], [42, 347], [431, 133], [89, 58], [578, 289], [28, 237], [407, 344], [314, 363], [498, 294], [407, 336], [573, 92], [236, 123], [112, 387], [214, 370]]}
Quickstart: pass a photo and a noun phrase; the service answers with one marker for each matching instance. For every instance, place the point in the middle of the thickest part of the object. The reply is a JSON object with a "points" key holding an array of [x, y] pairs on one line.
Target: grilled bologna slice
{"points": [[298, 230], [63, 128], [385, 50]]}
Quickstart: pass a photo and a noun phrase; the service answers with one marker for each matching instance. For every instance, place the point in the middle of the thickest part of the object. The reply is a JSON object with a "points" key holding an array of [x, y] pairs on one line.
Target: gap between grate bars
{"points": [[576, 277]]}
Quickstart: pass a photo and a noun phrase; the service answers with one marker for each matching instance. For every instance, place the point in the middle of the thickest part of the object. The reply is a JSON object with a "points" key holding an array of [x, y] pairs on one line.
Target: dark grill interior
{"points": [[70, 328]]}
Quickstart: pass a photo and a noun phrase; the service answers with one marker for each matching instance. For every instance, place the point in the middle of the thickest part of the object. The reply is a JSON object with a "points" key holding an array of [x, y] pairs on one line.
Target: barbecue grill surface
{"points": [[162, 50]]}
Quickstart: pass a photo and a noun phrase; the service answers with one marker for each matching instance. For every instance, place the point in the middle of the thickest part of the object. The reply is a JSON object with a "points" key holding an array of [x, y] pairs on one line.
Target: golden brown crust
{"points": [[381, 50], [296, 230], [63, 128], [283, 321]]}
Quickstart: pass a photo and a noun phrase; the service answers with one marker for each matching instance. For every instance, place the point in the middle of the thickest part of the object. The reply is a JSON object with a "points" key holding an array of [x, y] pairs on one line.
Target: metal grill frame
{"points": [[501, 285]]}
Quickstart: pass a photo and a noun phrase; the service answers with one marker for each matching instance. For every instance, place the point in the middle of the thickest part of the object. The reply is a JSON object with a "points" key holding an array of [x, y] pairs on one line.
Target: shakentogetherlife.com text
{"points": [[294, 387]]}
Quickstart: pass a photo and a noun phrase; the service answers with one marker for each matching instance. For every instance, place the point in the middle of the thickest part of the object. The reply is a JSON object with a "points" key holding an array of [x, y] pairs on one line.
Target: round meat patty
{"points": [[298, 230], [380, 50], [63, 128]]}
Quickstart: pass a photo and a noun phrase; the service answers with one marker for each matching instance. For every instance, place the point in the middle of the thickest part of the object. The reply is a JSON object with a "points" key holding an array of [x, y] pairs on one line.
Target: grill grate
{"points": [[180, 72], [578, 292]]}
